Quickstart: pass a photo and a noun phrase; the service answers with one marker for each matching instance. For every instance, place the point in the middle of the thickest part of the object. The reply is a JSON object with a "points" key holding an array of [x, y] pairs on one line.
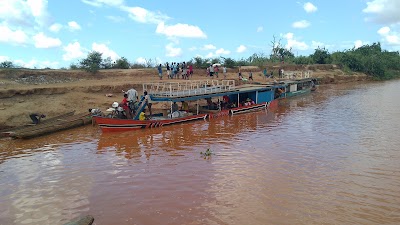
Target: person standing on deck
{"points": [[185, 106], [175, 107], [149, 102], [125, 105]]}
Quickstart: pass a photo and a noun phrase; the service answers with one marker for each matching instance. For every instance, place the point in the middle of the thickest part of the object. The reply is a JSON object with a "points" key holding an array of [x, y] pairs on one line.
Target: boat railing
{"points": [[188, 88], [296, 74]]}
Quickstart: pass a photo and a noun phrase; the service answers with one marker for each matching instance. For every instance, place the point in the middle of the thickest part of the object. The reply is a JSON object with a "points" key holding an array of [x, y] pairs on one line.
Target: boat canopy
{"points": [[195, 90]]}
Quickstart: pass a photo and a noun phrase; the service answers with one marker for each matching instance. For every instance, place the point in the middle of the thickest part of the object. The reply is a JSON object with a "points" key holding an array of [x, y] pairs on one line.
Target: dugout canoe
{"points": [[58, 123]]}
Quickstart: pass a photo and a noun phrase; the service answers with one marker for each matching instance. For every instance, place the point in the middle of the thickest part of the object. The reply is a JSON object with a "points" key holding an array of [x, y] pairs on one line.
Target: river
{"points": [[330, 157]]}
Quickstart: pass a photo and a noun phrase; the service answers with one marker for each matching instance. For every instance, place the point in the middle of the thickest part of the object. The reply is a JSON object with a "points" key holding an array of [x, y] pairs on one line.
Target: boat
{"points": [[198, 92], [230, 100], [61, 122]]}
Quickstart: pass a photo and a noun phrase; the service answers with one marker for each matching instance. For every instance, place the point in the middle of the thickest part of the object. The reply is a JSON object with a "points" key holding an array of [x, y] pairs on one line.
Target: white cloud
{"points": [[100, 3], [260, 29], [384, 31], [73, 51], [102, 48], [14, 37], [193, 49], [309, 7], [142, 15], [294, 44], [317, 44], [141, 60], [55, 27], [385, 11], [222, 51], [241, 49], [4, 58], [209, 47], [173, 52], [390, 37], [26, 14], [180, 30], [116, 19], [209, 55], [73, 26], [358, 44], [37, 64], [301, 24], [42, 41]]}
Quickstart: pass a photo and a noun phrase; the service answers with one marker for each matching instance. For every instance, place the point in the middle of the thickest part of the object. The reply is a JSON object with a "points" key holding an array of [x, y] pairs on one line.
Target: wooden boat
{"points": [[58, 123], [193, 91], [296, 87]]}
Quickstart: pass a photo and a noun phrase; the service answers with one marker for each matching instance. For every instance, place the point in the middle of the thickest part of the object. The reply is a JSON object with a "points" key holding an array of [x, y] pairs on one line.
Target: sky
{"points": [[57, 33]]}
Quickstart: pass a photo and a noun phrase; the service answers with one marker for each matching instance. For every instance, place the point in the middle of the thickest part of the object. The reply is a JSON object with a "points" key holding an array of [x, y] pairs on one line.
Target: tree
{"points": [[7, 64], [229, 62], [107, 63], [121, 63], [92, 62], [73, 66], [321, 56]]}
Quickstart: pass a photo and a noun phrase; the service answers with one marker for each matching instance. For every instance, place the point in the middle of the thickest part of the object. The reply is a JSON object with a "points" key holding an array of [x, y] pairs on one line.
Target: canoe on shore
{"points": [[58, 123]]}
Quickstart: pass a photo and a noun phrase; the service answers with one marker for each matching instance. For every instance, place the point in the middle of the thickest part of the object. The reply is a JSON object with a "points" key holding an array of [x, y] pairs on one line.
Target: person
{"points": [[132, 99], [211, 105], [96, 112], [211, 71], [250, 76], [225, 101], [184, 71], [224, 71], [149, 102], [185, 106], [265, 73], [142, 115], [36, 117], [216, 69], [125, 106], [160, 71], [240, 72], [168, 74], [175, 107], [191, 70]]}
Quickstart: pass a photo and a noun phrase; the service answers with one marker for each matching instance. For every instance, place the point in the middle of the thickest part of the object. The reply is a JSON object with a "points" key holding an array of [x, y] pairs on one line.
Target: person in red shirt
{"points": [[191, 70], [125, 105]]}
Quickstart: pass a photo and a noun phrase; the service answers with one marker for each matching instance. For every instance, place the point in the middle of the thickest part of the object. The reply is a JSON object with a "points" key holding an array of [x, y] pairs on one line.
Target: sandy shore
{"points": [[53, 92]]}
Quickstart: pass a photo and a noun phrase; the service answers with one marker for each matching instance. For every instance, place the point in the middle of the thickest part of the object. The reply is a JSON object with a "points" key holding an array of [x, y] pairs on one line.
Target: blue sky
{"points": [[55, 33]]}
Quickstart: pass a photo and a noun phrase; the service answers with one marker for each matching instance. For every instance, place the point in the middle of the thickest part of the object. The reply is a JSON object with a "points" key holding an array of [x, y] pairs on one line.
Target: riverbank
{"points": [[53, 92]]}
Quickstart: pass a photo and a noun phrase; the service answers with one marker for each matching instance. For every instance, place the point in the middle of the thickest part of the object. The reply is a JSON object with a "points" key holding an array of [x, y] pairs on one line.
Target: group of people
{"points": [[177, 69], [130, 104], [214, 70]]}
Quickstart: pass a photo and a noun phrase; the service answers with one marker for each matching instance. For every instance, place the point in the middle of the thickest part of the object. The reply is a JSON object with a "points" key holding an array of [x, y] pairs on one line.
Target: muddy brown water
{"points": [[331, 157]]}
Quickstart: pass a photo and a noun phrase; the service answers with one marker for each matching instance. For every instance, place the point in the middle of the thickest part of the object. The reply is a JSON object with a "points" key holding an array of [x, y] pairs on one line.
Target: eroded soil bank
{"points": [[53, 92]]}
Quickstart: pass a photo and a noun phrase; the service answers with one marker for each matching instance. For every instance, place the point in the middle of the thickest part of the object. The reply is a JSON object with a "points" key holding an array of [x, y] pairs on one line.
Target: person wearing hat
{"points": [[36, 117]]}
